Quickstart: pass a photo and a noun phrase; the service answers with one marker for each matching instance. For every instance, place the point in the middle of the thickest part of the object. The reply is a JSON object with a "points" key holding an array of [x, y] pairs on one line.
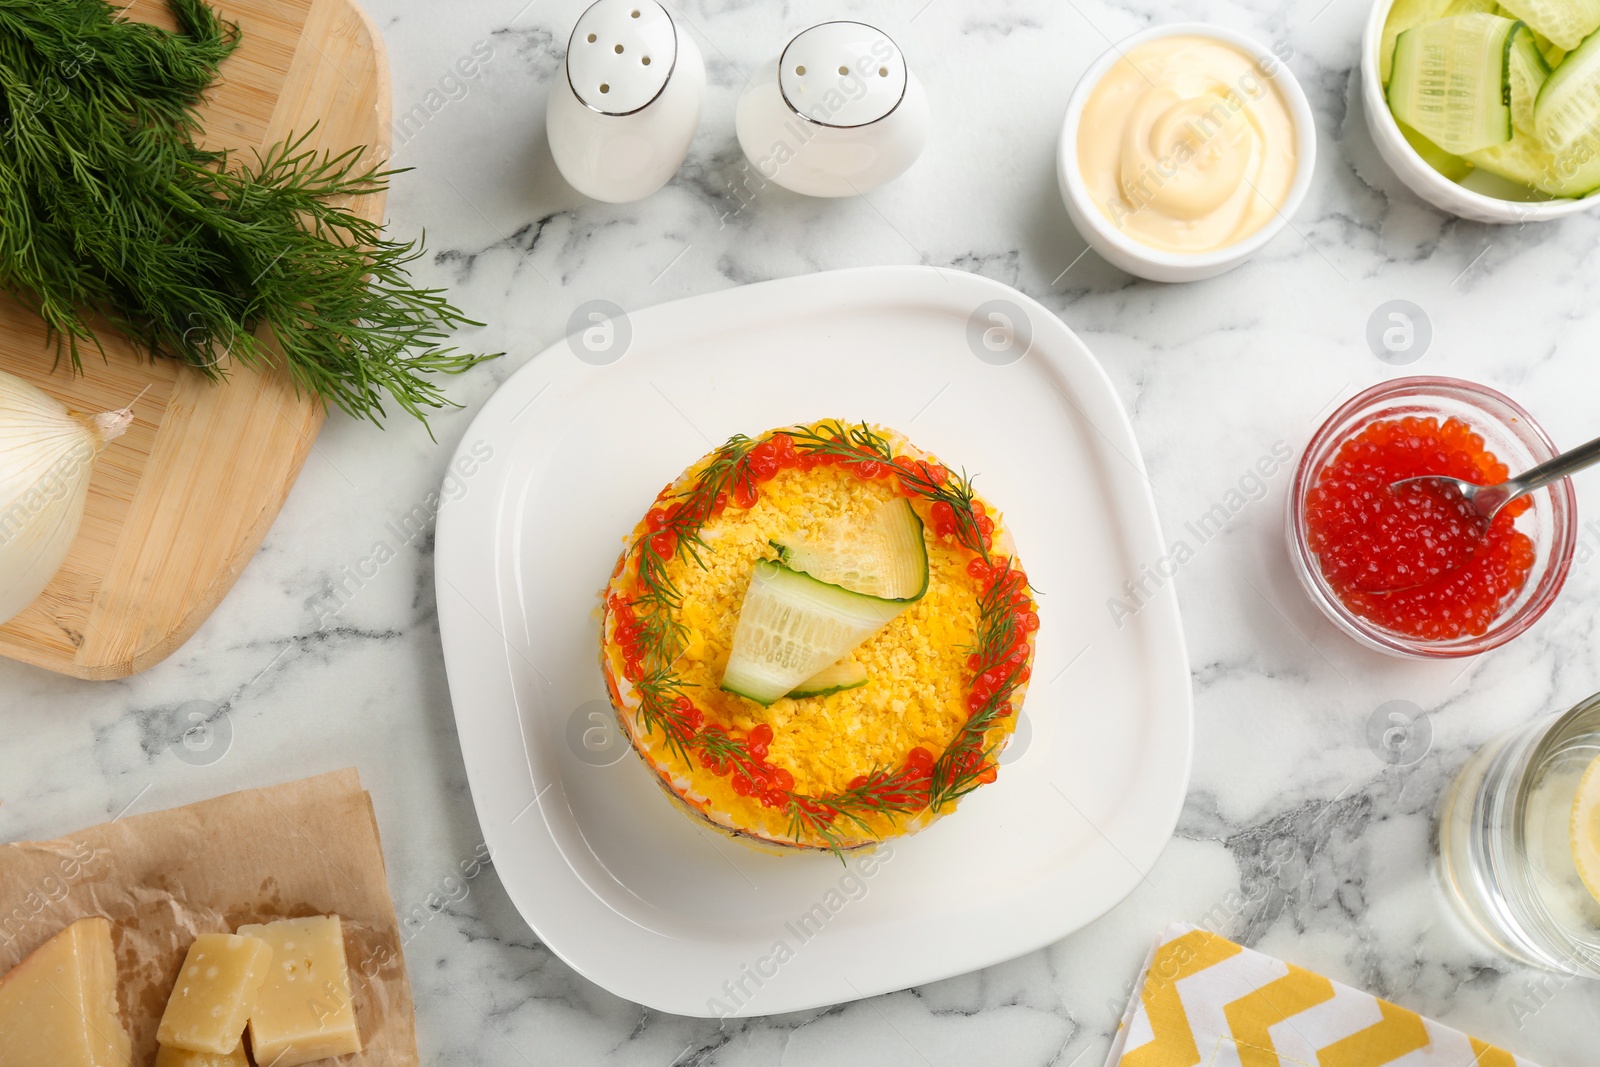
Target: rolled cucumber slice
{"points": [[1453, 167], [1402, 16], [1452, 81], [1564, 22], [887, 558], [1568, 111], [1524, 159], [1408, 13], [1528, 72], [792, 626], [1549, 49], [846, 674]]}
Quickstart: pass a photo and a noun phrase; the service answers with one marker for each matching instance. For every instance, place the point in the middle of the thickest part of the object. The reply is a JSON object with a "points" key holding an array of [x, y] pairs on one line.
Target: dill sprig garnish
{"points": [[673, 530], [963, 765], [110, 213], [724, 751], [659, 693], [882, 792]]}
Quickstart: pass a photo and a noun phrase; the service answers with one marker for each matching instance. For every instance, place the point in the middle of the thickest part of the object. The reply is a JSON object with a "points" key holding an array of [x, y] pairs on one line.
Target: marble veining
{"points": [[1296, 839]]}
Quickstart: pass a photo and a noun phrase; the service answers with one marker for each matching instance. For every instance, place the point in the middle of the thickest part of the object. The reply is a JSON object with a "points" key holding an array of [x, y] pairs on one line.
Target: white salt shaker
{"points": [[837, 115], [621, 117]]}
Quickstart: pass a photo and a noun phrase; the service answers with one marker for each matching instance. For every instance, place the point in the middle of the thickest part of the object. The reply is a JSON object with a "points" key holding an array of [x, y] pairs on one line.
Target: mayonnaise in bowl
{"points": [[1186, 145], [1185, 148]]}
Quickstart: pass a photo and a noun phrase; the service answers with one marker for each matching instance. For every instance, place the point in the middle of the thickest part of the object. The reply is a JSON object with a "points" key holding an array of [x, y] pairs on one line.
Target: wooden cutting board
{"points": [[180, 503]]}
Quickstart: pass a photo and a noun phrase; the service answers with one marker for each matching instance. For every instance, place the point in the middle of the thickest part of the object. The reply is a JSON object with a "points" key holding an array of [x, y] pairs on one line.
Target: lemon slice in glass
{"points": [[1586, 829]]}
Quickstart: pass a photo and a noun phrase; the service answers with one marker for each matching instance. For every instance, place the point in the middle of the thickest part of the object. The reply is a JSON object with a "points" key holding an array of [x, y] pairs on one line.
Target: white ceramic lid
{"points": [[621, 54], [842, 74]]}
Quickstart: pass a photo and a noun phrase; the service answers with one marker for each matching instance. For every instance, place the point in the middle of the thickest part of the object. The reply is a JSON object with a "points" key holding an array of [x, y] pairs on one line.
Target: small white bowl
{"points": [[1414, 171], [1134, 256]]}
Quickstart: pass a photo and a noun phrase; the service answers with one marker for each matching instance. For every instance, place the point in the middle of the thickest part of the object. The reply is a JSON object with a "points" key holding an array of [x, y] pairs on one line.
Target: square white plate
{"points": [[568, 454]]}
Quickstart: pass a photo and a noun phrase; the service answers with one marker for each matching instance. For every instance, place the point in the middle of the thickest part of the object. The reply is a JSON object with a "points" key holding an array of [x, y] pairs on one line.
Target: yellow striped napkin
{"points": [[1204, 1000]]}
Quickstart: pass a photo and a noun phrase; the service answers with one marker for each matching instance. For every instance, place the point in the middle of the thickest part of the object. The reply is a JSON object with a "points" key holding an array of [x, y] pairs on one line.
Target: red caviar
{"points": [[1415, 561]]}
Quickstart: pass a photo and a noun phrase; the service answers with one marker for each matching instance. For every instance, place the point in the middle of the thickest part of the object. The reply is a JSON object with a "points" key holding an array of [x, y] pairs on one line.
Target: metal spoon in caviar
{"points": [[1465, 511]]}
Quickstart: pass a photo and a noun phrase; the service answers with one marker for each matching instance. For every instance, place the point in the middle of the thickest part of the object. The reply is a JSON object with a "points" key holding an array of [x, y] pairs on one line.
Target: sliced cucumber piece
{"points": [[1453, 167], [887, 558], [1528, 72], [1474, 7], [791, 626], [1525, 160], [1452, 82], [1568, 111], [1402, 16], [1552, 52], [846, 674], [1522, 159], [1564, 22], [1576, 172]]}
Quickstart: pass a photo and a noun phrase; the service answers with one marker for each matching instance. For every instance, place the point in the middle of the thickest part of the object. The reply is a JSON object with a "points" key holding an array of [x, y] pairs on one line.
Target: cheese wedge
{"points": [[58, 1007], [215, 993], [177, 1057], [303, 1012]]}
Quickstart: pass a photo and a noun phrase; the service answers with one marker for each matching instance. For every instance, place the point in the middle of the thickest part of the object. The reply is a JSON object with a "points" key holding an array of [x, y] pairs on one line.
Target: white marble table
{"points": [[1297, 838]]}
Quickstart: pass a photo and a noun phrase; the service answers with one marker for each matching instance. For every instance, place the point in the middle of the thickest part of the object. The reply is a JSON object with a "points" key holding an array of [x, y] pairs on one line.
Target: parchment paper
{"points": [[305, 848]]}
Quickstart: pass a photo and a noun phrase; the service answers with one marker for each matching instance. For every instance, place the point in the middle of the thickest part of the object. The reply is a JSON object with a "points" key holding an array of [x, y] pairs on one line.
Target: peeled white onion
{"points": [[47, 454]]}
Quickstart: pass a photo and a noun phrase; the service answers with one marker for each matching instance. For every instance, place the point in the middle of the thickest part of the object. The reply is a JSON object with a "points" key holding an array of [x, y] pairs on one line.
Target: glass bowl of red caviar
{"points": [[1346, 529]]}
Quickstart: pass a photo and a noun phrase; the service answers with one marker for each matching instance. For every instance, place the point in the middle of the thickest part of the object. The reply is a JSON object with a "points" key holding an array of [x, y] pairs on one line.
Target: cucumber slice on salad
{"points": [[1568, 111], [887, 559], [846, 674], [1452, 81], [1564, 22], [792, 626]]}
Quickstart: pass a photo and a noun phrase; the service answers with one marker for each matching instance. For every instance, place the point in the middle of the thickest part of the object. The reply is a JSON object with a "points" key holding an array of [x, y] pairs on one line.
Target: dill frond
{"points": [[111, 214]]}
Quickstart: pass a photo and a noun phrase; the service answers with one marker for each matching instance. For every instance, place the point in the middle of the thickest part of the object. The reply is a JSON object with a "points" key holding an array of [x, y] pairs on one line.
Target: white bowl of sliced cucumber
{"points": [[1481, 110]]}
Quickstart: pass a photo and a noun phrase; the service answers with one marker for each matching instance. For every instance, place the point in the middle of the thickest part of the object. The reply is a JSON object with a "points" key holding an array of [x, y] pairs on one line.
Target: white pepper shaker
{"points": [[622, 114], [839, 114]]}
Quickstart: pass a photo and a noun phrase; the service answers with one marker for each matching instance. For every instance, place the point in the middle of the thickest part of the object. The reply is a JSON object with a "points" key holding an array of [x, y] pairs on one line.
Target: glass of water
{"points": [[1519, 842]]}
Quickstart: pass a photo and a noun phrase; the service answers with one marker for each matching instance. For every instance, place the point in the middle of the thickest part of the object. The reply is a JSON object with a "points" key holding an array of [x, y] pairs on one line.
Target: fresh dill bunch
{"points": [[110, 213]]}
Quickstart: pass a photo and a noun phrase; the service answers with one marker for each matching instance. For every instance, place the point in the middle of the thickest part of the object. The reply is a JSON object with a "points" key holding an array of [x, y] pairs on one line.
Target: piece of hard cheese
{"points": [[215, 993], [303, 1012], [58, 1007], [177, 1057]]}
